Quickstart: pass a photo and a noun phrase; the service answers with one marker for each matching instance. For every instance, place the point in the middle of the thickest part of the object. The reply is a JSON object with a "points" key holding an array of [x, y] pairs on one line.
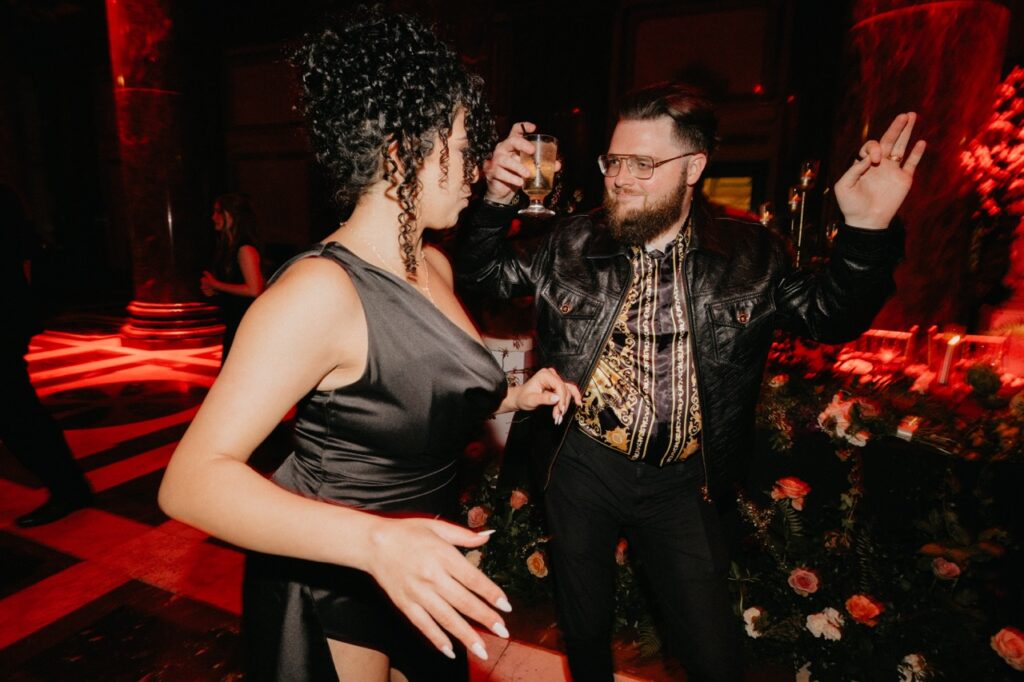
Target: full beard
{"points": [[642, 225]]}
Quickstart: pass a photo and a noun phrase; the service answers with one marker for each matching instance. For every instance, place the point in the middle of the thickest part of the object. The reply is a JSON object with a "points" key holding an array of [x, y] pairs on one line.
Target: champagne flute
{"points": [[541, 165]]}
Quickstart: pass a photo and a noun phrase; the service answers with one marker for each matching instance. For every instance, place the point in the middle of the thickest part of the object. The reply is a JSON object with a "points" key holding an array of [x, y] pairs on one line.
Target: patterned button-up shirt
{"points": [[642, 398]]}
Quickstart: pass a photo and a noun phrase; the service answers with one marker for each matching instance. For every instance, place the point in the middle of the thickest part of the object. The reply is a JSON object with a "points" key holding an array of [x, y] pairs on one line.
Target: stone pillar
{"points": [[160, 204], [941, 59]]}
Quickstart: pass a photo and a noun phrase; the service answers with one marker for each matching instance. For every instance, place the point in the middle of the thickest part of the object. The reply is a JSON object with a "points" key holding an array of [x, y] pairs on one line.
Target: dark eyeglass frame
{"points": [[631, 163]]}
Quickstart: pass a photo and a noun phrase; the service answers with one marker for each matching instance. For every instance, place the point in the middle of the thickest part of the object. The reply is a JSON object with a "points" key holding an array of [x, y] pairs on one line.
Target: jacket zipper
{"points": [[705, 489], [590, 371]]}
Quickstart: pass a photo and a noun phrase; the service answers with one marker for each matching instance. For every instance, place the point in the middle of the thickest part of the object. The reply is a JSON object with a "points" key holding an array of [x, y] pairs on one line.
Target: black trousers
{"points": [[30, 432], [594, 497]]}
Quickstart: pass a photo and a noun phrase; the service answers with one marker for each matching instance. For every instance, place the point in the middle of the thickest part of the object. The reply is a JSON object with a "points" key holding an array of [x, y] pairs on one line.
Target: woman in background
{"points": [[355, 574], [237, 276]]}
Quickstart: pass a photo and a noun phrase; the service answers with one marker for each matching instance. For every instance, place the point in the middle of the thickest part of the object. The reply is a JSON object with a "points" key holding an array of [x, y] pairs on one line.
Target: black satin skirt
{"points": [[291, 607]]}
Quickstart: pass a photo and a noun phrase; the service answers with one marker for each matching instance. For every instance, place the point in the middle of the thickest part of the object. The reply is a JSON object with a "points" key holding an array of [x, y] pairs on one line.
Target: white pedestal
{"points": [[515, 356]]}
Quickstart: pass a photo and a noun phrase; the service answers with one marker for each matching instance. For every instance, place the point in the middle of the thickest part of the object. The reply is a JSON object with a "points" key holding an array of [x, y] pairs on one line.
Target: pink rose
{"points": [[518, 499], [945, 570], [477, 516], [803, 581], [537, 564], [1009, 643], [864, 609], [791, 488]]}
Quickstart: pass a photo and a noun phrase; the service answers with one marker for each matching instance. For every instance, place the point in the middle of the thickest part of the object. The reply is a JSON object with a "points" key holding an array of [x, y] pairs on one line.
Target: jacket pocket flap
{"points": [[569, 303], [742, 312]]}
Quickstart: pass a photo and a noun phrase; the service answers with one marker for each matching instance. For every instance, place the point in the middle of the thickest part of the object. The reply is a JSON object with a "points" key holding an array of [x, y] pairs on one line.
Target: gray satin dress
{"points": [[390, 443]]}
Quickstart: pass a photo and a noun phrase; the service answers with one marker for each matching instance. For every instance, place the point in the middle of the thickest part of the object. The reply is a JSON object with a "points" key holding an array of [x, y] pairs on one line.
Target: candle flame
{"points": [[955, 340]]}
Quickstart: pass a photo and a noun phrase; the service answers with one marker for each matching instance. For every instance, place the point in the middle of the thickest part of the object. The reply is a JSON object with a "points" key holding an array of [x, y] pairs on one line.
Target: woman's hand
{"points": [[545, 387], [872, 190], [208, 283], [416, 562]]}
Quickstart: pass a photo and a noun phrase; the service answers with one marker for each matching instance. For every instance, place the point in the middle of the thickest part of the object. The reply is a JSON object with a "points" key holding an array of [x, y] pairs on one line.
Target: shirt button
{"points": [[564, 308]]}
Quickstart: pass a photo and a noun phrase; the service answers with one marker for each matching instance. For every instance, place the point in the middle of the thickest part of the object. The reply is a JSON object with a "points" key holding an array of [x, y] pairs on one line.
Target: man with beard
{"points": [[664, 315]]}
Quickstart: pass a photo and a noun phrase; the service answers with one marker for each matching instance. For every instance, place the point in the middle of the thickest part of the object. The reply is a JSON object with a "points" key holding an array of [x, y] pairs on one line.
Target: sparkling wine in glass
{"points": [[541, 165]]}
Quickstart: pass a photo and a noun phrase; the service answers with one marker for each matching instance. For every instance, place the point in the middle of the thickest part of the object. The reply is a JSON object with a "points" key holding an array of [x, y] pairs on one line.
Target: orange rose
{"points": [[518, 499], [620, 551], [537, 564], [1009, 643], [864, 609], [791, 488], [991, 548], [945, 570], [803, 581], [477, 516]]}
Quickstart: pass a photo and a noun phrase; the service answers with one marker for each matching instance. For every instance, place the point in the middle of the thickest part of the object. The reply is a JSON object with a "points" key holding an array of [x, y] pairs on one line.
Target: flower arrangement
{"points": [[870, 558], [994, 164]]}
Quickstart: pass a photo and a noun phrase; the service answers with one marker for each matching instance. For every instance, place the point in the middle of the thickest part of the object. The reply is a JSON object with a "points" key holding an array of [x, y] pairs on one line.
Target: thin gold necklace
{"points": [[421, 265]]}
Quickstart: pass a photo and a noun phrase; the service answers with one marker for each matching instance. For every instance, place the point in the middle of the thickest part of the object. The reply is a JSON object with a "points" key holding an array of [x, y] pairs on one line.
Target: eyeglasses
{"points": [[640, 167]]}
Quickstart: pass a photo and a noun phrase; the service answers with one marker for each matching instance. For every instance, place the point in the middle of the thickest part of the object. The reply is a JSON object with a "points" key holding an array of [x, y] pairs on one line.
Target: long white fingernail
{"points": [[500, 630], [503, 605], [447, 651], [479, 651], [487, 532]]}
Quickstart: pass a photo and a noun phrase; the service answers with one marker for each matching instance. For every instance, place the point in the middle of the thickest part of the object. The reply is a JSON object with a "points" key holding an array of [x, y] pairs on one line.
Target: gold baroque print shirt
{"points": [[642, 398]]}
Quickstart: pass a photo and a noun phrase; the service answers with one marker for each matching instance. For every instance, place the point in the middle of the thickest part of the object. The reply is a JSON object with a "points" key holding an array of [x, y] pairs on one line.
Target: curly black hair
{"points": [[373, 78]]}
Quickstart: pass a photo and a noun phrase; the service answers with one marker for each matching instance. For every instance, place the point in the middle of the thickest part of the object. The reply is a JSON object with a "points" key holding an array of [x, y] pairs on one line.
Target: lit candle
{"points": [[947, 360]]}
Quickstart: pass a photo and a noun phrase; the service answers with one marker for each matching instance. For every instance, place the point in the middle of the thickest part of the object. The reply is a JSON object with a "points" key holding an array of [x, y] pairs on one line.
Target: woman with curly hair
{"points": [[354, 573], [237, 276]]}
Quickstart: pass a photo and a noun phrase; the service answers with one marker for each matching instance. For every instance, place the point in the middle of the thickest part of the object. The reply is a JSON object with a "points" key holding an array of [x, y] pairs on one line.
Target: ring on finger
{"points": [[896, 157]]}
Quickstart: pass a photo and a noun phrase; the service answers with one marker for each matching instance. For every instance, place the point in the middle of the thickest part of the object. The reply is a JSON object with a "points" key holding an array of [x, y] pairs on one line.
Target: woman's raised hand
{"points": [[416, 562]]}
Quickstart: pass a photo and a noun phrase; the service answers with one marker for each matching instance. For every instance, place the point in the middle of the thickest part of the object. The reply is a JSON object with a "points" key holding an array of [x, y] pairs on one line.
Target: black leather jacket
{"points": [[739, 287]]}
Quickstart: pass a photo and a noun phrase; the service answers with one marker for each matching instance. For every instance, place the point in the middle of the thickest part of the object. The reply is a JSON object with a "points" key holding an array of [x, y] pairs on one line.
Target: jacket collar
{"points": [[704, 237]]}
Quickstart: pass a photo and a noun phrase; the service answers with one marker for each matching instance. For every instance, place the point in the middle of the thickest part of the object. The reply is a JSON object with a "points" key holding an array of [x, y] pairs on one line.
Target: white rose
{"points": [[826, 624], [913, 668], [750, 618]]}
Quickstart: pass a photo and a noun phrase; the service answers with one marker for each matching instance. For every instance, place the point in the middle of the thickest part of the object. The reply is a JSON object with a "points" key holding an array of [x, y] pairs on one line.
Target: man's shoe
{"points": [[52, 510]]}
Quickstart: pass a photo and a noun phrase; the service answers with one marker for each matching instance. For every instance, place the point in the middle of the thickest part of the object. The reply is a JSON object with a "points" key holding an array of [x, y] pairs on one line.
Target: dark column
{"points": [[941, 59], [160, 203]]}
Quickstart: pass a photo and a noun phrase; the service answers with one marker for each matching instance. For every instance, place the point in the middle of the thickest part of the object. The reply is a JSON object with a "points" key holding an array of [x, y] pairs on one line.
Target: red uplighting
{"points": [[576, 111], [790, 99], [758, 89]]}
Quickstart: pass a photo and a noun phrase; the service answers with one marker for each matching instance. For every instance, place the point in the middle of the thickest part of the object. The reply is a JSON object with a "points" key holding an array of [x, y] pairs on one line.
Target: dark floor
{"points": [[121, 592]]}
